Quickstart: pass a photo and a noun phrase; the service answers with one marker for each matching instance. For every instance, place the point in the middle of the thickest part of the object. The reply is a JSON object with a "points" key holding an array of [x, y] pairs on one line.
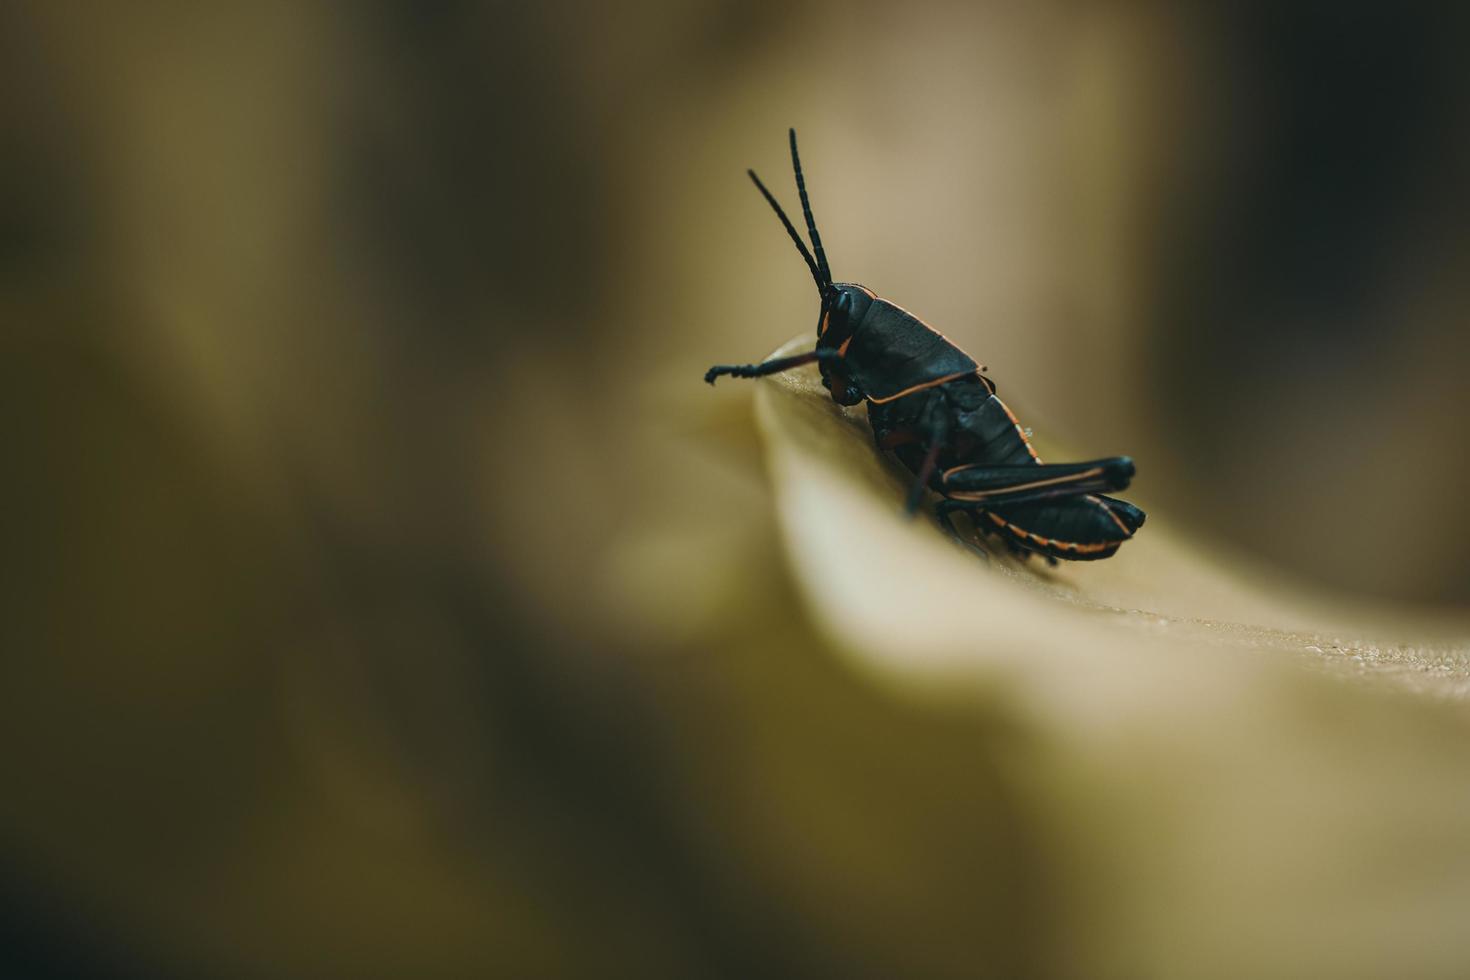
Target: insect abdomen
{"points": [[999, 439], [1083, 528]]}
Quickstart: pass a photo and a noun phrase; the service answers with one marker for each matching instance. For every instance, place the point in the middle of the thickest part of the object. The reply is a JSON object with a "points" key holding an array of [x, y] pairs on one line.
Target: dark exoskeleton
{"points": [[930, 405]]}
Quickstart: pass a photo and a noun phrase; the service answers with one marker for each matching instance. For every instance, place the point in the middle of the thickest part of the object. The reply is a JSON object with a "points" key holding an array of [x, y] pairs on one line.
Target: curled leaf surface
{"points": [[1241, 774]]}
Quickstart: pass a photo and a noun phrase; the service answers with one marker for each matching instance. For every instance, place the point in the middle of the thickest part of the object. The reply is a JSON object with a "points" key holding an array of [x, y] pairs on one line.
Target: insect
{"points": [[929, 404]]}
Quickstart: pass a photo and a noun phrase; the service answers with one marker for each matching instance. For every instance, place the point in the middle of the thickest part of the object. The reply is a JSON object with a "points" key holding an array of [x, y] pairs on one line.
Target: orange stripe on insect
{"points": [[920, 387], [920, 320], [1109, 511], [1025, 535], [1017, 488], [1019, 431]]}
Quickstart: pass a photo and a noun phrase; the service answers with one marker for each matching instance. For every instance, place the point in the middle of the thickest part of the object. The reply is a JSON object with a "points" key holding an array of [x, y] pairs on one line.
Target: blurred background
{"points": [[386, 596]]}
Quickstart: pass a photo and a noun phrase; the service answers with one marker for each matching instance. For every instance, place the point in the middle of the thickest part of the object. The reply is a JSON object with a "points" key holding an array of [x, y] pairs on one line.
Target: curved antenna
{"points": [[790, 230], [806, 209]]}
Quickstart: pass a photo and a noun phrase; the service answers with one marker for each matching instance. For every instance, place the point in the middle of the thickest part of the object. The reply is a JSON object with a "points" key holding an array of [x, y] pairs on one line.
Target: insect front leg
{"points": [[773, 366]]}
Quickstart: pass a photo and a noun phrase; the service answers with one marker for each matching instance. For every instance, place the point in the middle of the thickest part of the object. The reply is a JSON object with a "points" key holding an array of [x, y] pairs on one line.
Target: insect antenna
{"points": [[806, 209], [790, 230]]}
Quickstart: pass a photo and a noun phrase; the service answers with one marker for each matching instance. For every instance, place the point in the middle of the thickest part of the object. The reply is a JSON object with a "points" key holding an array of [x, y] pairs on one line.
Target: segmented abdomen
{"points": [[1083, 528], [999, 438]]}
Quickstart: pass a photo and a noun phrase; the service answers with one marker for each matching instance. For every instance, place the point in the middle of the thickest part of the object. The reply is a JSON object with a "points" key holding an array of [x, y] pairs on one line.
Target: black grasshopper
{"points": [[929, 404]]}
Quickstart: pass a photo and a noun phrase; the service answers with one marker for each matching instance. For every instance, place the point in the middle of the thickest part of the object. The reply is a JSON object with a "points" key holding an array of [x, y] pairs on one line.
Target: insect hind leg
{"points": [[1010, 484], [975, 511], [1130, 514], [942, 512]]}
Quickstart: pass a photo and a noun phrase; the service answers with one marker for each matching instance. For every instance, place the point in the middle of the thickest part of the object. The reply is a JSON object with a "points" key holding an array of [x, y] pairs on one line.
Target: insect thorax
{"points": [[892, 352]]}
